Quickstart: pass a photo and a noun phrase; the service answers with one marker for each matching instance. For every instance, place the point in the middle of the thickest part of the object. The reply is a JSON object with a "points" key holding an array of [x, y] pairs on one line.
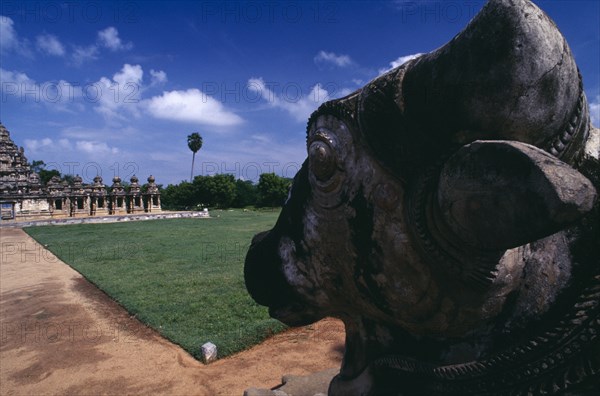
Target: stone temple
{"points": [[23, 197]]}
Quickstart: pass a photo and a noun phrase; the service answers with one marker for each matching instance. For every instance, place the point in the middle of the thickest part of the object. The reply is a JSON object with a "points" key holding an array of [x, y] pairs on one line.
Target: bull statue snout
{"points": [[447, 212]]}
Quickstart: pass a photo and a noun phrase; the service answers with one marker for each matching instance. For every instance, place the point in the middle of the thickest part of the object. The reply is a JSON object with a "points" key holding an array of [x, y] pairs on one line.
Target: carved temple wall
{"points": [[23, 197]]}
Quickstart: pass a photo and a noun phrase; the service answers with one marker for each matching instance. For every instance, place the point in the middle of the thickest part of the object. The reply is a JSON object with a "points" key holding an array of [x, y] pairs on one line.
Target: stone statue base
{"points": [[315, 384]]}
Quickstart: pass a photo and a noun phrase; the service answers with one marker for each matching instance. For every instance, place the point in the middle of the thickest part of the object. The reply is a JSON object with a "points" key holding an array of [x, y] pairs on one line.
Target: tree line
{"points": [[218, 191], [224, 191]]}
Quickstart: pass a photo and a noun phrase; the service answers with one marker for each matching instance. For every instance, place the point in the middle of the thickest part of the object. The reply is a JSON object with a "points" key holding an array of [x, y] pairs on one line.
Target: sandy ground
{"points": [[61, 335]]}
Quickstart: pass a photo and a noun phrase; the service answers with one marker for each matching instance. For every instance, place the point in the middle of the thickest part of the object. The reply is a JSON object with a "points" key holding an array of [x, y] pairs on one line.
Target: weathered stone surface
{"points": [[447, 212], [296, 385], [503, 194], [23, 198], [258, 392], [209, 352]]}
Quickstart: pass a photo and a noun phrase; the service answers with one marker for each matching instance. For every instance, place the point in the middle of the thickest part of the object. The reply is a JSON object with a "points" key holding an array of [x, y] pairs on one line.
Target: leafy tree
{"points": [[39, 167], [246, 194], [194, 142], [215, 191], [179, 196], [272, 189], [223, 191]]}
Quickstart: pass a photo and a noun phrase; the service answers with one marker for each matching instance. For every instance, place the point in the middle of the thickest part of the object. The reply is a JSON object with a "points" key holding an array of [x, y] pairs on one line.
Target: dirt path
{"points": [[61, 335]]}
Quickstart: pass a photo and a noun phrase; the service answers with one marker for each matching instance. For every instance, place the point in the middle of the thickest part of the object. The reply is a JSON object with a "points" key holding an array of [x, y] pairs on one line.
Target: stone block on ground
{"points": [[316, 384], [209, 352]]}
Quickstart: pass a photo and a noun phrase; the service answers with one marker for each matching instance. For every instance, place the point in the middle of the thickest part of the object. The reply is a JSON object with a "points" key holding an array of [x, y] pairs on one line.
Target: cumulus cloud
{"points": [[158, 77], [595, 112], [8, 35], [333, 59], [7, 76], [57, 95], [129, 74], [95, 148], [109, 38], [9, 39], [400, 61], [52, 147], [47, 145], [120, 97], [50, 45], [84, 54], [121, 92], [299, 108], [191, 105]]}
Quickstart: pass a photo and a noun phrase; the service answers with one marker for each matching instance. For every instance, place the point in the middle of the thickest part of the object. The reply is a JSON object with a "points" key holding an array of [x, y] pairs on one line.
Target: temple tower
{"points": [[134, 196], [79, 198], [99, 202], [20, 188], [152, 196], [117, 197]]}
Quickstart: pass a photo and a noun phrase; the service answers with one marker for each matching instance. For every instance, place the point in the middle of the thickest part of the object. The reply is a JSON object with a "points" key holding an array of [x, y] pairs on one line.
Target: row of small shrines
{"points": [[62, 200]]}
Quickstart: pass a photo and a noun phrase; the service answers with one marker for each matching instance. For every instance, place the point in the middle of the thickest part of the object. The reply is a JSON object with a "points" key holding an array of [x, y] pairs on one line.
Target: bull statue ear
{"points": [[501, 194]]}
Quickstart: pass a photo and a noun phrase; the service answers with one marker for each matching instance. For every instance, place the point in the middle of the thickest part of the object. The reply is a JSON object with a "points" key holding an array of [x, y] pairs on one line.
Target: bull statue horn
{"points": [[504, 194], [509, 75]]}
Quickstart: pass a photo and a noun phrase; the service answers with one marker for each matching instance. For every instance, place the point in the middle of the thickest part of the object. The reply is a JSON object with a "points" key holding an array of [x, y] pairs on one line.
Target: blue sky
{"points": [[114, 88]]}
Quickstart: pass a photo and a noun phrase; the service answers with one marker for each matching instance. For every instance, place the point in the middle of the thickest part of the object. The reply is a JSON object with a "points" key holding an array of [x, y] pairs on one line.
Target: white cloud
{"points": [[299, 108], [47, 145], [8, 35], [95, 148], [121, 97], [595, 112], [400, 61], [342, 92], [332, 58], [98, 134], [84, 54], [109, 38], [9, 39], [37, 146], [57, 95], [8, 77], [158, 77], [50, 45], [191, 105], [129, 74], [33, 145], [122, 92]]}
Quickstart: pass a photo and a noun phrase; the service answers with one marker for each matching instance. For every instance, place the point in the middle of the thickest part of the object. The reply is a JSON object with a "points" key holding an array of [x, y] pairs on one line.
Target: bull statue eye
{"points": [[322, 160]]}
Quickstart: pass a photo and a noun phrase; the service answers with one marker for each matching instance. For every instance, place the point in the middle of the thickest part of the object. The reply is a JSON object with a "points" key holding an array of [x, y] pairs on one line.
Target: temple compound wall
{"points": [[23, 197]]}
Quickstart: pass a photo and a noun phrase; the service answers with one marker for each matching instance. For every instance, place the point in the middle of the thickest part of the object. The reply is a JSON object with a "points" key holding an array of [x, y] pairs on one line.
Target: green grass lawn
{"points": [[183, 277]]}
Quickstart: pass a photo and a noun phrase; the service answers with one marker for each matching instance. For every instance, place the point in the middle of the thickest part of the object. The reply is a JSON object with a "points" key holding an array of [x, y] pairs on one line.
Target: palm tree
{"points": [[194, 143]]}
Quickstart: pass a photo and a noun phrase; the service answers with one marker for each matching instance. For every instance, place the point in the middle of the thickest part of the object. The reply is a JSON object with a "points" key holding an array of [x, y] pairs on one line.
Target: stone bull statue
{"points": [[447, 213]]}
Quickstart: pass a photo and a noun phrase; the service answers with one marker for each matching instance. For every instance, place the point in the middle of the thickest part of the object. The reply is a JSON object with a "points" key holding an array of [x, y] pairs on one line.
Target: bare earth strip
{"points": [[61, 335]]}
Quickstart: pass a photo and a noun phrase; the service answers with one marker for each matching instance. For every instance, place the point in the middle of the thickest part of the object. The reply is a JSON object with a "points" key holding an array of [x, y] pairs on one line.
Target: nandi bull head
{"points": [[443, 214]]}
